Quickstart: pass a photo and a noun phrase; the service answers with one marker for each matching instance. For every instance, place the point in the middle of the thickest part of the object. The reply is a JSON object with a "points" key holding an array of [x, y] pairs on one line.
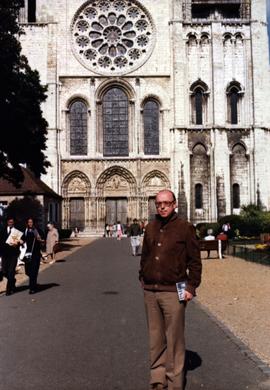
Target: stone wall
{"points": [[213, 53]]}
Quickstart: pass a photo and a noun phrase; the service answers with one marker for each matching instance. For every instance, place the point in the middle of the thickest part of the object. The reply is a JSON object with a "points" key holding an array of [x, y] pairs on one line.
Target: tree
{"points": [[251, 210], [23, 128], [24, 208]]}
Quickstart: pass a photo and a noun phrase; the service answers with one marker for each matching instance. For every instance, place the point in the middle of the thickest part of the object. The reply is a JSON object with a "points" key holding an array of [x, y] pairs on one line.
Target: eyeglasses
{"points": [[163, 204]]}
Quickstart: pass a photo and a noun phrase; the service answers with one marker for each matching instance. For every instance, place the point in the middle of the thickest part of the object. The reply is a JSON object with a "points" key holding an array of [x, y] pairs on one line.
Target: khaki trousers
{"points": [[166, 325]]}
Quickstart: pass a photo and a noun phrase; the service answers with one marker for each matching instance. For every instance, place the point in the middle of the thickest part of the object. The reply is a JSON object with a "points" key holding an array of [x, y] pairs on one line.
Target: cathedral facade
{"points": [[152, 94]]}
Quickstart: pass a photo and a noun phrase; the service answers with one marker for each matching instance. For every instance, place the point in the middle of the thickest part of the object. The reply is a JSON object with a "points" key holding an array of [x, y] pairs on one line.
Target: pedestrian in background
{"points": [[223, 238], [170, 254], [33, 238], [143, 226], [209, 237], [119, 230], [51, 239], [107, 230], [110, 230], [76, 232], [135, 233], [114, 230], [226, 228], [9, 252]]}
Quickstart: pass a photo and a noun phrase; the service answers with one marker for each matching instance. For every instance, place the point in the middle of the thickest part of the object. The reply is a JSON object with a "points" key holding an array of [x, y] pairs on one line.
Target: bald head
{"points": [[167, 192], [165, 203]]}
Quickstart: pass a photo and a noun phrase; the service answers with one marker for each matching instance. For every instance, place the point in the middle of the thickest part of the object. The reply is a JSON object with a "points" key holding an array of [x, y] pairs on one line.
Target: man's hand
{"points": [[188, 296], [15, 242]]}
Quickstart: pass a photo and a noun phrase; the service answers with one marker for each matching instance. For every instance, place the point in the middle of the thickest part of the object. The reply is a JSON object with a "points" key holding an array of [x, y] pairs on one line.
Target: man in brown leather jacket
{"points": [[170, 254]]}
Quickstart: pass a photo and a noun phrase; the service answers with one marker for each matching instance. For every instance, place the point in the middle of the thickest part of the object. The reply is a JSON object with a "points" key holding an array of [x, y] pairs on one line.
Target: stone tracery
{"points": [[112, 37], [116, 178], [153, 182], [76, 182]]}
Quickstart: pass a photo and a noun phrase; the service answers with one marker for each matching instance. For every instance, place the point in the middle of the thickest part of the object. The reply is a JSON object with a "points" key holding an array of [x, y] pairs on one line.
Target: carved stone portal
{"points": [[154, 182], [116, 185], [77, 185]]}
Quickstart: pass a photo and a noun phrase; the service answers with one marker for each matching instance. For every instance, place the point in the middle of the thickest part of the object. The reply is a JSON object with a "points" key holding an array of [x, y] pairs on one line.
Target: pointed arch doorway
{"points": [[77, 213], [76, 190], [116, 210], [116, 190], [153, 182]]}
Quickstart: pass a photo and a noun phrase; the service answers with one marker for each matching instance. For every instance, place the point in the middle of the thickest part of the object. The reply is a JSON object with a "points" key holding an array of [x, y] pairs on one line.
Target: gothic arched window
{"points": [[198, 196], [236, 196], [233, 100], [115, 123], [239, 171], [198, 102], [78, 128], [198, 106], [234, 93], [151, 127], [31, 11]]}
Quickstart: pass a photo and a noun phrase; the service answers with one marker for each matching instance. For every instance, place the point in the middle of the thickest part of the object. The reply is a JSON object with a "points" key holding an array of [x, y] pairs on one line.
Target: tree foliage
{"points": [[23, 128], [27, 207], [251, 210]]}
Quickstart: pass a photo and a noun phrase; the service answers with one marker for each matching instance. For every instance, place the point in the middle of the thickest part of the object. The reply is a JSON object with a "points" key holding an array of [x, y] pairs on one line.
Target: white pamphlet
{"points": [[14, 237], [181, 288]]}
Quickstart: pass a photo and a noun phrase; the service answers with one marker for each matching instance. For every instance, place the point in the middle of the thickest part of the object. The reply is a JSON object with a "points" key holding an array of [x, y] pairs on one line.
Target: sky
{"points": [[268, 9], [268, 20]]}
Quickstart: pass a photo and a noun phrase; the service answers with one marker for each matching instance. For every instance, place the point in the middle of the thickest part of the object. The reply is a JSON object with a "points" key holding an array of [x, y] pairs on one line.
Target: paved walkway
{"points": [[68, 246], [86, 330]]}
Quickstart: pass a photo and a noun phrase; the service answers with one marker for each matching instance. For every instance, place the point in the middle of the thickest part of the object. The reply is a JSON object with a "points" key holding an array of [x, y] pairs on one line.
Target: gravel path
{"points": [[237, 293]]}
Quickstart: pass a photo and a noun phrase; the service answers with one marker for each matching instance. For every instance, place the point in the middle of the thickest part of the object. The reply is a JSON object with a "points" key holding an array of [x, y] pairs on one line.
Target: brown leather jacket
{"points": [[170, 254]]}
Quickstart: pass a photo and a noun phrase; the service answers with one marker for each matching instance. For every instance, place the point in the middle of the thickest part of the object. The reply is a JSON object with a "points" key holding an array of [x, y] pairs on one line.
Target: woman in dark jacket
{"points": [[33, 238]]}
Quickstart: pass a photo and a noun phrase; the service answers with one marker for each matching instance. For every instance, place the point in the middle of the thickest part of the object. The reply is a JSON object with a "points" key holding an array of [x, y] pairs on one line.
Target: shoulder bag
{"points": [[28, 255]]}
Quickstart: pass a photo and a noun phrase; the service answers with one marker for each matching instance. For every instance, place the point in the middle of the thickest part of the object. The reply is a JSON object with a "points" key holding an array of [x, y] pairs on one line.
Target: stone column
{"points": [[65, 210], [182, 199], [221, 200], [100, 204]]}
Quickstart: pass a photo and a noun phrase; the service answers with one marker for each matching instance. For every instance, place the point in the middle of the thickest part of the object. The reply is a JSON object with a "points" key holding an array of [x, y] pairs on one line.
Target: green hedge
{"points": [[251, 222], [236, 222]]}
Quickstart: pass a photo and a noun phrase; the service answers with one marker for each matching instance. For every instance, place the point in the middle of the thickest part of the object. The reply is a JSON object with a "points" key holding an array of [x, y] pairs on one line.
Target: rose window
{"points": [[112, 36]]}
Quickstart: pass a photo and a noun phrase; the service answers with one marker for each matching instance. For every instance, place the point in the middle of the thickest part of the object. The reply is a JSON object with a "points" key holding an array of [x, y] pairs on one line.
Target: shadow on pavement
{"points": [[192, 361], [110, 293], [43, 287], [67, 247], [21, 288], [40, 288]]}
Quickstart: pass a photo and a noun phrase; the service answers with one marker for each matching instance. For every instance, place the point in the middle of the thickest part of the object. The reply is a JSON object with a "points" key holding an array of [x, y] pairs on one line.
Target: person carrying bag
{"points": [[28, 255], [32, 238]]}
